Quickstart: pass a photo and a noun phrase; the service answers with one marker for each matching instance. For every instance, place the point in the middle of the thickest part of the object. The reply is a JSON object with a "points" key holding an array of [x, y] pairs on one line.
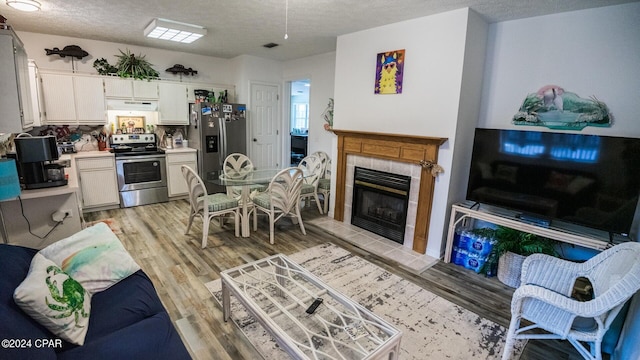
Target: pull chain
{"points": [[286, 19]]}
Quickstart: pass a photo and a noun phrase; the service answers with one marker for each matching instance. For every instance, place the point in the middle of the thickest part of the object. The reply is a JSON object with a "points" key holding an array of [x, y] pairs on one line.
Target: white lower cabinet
{"points": [[98, 182], [175, 181]]}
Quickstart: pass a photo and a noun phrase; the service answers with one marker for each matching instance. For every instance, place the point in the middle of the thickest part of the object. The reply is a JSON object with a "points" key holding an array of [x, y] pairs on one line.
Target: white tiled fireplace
{"points": [[391, 166]]}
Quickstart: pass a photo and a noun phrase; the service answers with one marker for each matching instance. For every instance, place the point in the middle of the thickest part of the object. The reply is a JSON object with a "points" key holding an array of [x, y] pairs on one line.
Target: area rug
{"points": [[431, 326]]}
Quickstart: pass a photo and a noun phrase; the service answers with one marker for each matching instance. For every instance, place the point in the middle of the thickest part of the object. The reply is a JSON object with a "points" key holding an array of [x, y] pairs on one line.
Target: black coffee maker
{"points": [[35, 155]]}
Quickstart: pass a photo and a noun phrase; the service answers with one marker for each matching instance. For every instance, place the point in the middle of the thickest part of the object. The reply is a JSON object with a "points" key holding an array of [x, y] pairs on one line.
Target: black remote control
{"points": [[314, 306]]}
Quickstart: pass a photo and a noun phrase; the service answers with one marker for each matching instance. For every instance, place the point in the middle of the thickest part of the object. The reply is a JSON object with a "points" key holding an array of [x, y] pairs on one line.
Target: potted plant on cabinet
{"points": [[512, 247]]}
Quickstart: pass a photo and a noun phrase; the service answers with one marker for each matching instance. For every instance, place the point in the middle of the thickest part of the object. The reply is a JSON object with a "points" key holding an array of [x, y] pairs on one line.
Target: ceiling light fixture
{"points": [[24, 5], [164, 29]]}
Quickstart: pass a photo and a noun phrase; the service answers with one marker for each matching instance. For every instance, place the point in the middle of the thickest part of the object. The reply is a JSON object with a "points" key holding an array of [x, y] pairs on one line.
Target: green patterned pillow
{"points": [[55, 300]]}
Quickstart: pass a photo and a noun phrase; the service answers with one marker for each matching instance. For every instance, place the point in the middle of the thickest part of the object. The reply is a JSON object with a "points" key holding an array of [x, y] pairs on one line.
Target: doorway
{"points": [[299, 119]]}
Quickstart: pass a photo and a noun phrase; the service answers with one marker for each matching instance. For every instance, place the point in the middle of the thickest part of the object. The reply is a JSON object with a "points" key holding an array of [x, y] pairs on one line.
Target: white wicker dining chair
{"points": [[312, 167], [281, 199], [324, 160], [239, 165], [544, 298], [324, 186], [208, 206]]}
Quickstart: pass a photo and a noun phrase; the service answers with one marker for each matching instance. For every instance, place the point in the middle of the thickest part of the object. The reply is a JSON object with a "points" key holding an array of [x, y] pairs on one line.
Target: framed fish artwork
{"points": [[389, 72]]}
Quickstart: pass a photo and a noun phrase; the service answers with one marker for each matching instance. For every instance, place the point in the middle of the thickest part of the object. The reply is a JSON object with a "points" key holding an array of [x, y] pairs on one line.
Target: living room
{"points": [[461, 73]]}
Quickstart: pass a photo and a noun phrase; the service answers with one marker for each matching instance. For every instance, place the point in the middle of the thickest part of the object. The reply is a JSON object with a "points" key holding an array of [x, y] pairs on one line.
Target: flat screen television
{"points": [[589, 180]]}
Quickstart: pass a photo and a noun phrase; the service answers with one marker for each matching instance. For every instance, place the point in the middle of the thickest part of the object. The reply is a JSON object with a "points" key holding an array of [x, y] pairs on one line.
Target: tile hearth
{"points": [[376, 244]]}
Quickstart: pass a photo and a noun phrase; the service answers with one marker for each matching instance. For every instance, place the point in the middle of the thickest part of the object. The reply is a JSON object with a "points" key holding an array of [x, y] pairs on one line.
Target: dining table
{"points": [[245, 181]]}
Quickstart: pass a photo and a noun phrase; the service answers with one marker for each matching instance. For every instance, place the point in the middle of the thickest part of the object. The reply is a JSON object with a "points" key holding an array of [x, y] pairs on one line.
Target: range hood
{"points": [[132, 105]]}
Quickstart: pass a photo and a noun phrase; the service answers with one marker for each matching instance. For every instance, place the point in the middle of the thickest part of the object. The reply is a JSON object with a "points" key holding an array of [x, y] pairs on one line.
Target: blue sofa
{"points": [[127, 320]]}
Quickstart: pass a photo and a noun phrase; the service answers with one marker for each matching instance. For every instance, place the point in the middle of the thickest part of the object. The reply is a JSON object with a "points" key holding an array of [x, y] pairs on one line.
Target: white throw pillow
{"points": [[94, 257], [55, 300]]}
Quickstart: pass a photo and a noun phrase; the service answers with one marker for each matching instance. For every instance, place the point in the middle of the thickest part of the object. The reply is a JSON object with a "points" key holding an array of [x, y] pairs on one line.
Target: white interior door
{"points": [[265, 126]]}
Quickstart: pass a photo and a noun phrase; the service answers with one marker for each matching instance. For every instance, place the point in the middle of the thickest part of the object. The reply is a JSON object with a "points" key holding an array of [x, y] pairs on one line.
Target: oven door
{"points": [[141, 172]]}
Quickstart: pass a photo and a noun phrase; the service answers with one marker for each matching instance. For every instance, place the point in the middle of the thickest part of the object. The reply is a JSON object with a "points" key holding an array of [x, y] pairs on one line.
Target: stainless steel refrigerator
{"points": [[216, 130]]}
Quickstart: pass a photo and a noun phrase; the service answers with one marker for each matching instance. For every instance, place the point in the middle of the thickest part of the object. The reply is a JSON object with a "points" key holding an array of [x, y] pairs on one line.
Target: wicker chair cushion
{"points": [[307, 189], [218, 202], [262, 200], [324, 184]]}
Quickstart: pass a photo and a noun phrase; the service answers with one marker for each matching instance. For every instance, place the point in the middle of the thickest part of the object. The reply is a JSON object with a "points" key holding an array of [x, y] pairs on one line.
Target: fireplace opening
{"points": [[380, 202]]}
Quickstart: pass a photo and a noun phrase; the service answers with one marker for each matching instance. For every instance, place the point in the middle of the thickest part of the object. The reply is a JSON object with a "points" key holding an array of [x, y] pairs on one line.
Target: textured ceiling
{"points": [[237, 27]]}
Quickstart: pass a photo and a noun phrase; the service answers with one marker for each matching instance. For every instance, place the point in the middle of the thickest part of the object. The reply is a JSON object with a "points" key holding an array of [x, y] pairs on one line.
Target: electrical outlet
{"points": [[67, 213]]}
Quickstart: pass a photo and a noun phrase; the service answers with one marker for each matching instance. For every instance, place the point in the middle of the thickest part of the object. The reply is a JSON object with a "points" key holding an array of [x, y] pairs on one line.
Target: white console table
{"points": [[571, 234]]}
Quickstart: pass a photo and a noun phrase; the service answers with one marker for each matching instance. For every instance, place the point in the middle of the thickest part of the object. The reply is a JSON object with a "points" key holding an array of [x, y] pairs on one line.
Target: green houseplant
{"points": [[133, 66], [512, 247]]}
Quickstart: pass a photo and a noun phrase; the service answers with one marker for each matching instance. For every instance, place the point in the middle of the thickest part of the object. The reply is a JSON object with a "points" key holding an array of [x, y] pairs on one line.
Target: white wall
{"points": [[320, 69], [470, 100], [588, 52], [431, 98], [210, 69], [248, 69]]}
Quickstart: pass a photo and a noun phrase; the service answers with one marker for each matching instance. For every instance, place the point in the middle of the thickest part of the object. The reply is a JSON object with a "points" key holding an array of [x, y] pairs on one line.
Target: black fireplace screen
{"points": [[380, 202]]}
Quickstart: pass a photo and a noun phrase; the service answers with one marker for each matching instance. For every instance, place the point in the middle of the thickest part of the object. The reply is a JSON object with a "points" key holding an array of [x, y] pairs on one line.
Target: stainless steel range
{"points": [[141, 169]]}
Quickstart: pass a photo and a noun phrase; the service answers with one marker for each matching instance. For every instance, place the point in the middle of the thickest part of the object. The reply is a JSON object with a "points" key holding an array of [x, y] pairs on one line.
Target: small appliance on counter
{"points": [[66, 147], [35, 156]]}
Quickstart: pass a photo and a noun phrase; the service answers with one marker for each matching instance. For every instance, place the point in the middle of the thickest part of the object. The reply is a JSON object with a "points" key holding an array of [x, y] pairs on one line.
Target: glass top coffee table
{"points": [[278, 293]]}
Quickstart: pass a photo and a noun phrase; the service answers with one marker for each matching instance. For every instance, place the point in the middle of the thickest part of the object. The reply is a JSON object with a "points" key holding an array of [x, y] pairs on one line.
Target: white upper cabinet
{"points": [[130, 89], [36, 93], [15, 95], [173, 104], [73, 99]]}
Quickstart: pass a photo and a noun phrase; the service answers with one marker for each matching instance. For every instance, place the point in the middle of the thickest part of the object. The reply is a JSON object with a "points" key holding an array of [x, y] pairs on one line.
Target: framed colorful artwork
{"points": [[389, 72]]}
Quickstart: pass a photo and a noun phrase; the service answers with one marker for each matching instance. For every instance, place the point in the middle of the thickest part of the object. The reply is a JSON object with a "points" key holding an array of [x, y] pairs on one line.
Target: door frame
{"points": [[279, 116], [286, 107]]}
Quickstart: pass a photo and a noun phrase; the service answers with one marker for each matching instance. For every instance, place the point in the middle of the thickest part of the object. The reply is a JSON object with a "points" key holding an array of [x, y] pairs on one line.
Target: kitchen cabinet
{"points": [[130, 89], [98, 182], [73, 99], [175, 181], [15, 94], [36, 93], [173, 105]]}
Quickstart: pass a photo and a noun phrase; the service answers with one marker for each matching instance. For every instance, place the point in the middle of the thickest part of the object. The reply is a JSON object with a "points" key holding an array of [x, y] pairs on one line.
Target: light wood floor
{"points": [[178, 267]]}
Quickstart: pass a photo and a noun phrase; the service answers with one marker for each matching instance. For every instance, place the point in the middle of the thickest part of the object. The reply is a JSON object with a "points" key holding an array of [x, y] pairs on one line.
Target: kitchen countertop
{"points": [[93, 153], [179, 150], [72, 185]]}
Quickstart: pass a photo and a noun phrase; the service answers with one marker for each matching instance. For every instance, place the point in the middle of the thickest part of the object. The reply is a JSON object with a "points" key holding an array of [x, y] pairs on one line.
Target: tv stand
{"points": [[463, 212]]}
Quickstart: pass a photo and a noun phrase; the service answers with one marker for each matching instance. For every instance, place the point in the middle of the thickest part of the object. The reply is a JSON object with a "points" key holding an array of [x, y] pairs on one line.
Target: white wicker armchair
{"points": [[544, 298]]}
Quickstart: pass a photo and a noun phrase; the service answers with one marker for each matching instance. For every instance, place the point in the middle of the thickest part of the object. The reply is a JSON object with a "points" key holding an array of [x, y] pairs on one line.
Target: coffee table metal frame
{"points": [[285, 291]]}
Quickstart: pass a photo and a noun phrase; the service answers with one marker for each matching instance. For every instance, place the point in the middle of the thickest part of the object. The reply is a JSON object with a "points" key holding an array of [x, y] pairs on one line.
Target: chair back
{"points": [[325, 160], [284, 189], [237, 165], [615, 267], [197, 190], [312, 167]]}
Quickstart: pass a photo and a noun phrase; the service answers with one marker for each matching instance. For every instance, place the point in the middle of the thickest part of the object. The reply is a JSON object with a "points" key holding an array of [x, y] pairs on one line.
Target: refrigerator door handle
{"points": [[223, 140]]}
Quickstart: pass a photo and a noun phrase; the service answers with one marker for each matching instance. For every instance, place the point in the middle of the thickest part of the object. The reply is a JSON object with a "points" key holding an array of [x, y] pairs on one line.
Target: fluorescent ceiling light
{"points": [[24, 5], [173, 30]]}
